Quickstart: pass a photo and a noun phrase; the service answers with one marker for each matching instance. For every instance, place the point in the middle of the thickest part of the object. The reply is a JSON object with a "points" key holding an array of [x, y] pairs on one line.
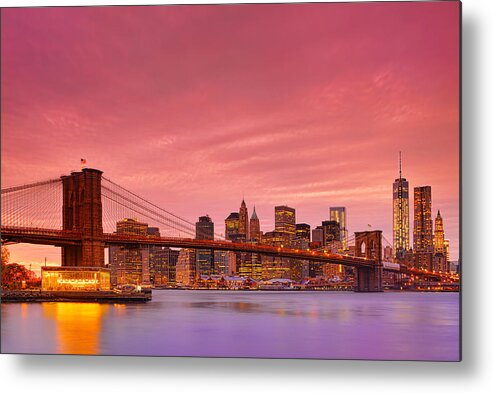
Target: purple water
{"points": [[325, 325]]}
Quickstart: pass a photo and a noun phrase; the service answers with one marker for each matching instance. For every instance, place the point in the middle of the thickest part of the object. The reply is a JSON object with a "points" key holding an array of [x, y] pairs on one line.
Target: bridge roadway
{"points": [[63, 237]]}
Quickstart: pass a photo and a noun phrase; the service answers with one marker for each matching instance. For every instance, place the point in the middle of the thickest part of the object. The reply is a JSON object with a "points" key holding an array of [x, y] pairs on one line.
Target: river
{"points": [[325, 325]]}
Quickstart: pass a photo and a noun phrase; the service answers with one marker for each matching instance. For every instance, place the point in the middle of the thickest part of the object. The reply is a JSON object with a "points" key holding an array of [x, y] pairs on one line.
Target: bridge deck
{"points": [[63, 237]]}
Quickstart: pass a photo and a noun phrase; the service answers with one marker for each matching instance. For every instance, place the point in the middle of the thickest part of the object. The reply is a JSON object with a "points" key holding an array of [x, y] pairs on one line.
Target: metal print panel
{"points": [[263, 180]]}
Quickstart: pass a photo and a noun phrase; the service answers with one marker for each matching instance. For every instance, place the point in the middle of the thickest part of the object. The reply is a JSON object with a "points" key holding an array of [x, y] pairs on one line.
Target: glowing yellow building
{"points": [[400, 193], [73, 278]]}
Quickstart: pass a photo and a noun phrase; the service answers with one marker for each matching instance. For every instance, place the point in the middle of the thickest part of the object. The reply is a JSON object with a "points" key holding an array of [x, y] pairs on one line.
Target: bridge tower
{"points": [[368, 244], [82, 211]]}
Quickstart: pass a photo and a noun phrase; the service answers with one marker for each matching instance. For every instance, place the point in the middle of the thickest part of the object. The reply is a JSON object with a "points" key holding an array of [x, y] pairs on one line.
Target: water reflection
{"points": [[78, 326], [413, 326]]}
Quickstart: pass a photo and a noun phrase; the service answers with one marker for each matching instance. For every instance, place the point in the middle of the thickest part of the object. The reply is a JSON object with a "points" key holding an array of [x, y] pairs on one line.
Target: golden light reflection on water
{"points": [[24, 310], [78, 326]]}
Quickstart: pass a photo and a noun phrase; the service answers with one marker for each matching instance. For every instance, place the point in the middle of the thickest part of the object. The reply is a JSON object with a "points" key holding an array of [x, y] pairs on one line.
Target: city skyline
{"points": [[228, 123]]}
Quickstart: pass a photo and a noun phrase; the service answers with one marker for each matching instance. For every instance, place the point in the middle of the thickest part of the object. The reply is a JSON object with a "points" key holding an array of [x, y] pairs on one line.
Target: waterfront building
{"points": [[205, 262], [74, 278], [158, 265], [331, 271], [400, 198], [186, 271], [315, 269], [225, 263], [129, 264], [275, 267], [158, 260], [204, 230], [338, 214], [255, 234], [249, 265], [303, 232], [244, 264], [172, 261], [243, 229], [285, 220]]}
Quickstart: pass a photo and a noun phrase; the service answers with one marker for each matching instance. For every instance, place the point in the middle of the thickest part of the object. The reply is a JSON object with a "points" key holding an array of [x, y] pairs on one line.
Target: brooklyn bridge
{"points": [[78, 212]]}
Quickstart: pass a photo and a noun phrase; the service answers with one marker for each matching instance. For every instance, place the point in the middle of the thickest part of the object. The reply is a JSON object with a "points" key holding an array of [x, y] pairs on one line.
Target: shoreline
{"points": [[81, 297], [28, 296]]}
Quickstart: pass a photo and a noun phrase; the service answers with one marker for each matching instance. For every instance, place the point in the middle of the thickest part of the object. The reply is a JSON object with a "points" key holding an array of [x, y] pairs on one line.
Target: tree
{"points": [[5, 255], [14, 274]]}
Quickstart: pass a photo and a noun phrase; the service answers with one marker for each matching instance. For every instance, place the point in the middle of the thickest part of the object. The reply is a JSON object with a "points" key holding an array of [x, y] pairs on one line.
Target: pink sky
{"points": [[192, 106]]}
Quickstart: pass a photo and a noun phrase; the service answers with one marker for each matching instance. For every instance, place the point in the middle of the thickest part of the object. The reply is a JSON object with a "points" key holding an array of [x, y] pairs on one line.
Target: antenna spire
{"points": [[400, 165]]}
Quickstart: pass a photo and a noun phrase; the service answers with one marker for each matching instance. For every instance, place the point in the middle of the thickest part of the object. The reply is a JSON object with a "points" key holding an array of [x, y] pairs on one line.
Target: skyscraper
{"points": [[439, 235], [232, 226], [318, 235], [243, 223], [285, 220], [303, 231], [400, 214], [130, 264], [423, 223], [446, 245], [204, 230], [338, 214], [332, 232], [255, 234], [440, 262], [186, 269]]}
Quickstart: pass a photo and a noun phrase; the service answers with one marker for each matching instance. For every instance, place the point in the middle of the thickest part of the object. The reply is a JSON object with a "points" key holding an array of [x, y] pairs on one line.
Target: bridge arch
{"points": [[368, 245]]}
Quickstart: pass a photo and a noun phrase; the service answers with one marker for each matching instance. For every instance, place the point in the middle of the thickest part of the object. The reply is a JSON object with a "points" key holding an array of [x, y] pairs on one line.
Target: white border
{"points": [[125, 374]]}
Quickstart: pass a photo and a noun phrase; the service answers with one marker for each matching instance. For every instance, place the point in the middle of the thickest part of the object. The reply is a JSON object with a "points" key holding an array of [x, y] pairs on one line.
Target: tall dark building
{"points": [[332, 231], [400, 197], [172, 261], [439, 235], [204, 230], [186, 267], [255, 233], [303, 231], [318, 235], [285, 220], [162, 262], [423, 223], [130, 264], [338, 214], [232, 226], [158, 264], [440, 262], [243, 229]]}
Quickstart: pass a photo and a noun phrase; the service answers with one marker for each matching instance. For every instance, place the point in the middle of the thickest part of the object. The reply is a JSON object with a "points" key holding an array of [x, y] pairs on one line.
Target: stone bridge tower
{"points": [[368, 244], [82, 211]]}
